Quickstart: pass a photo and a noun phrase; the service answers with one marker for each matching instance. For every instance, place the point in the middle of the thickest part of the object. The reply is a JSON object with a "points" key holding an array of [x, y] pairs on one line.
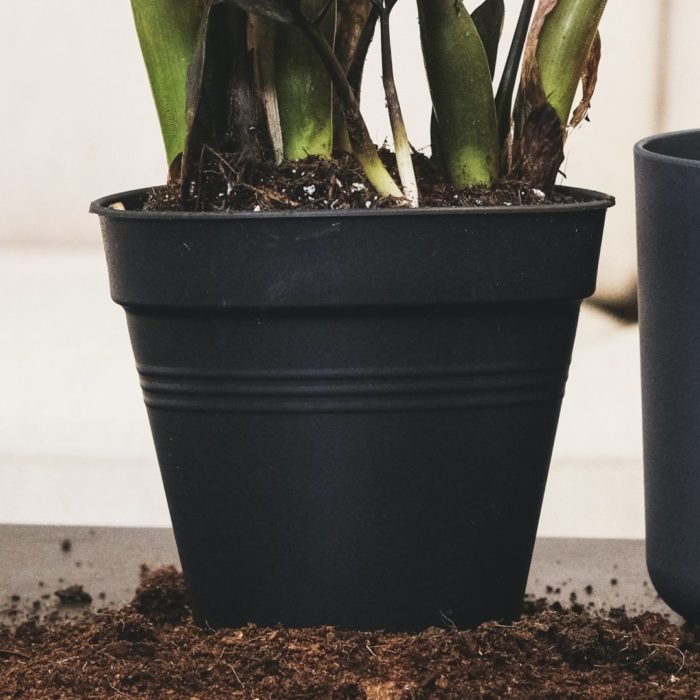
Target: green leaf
{"points": [[167, 31], [563, 48], [488, 20], [461, 91], [272, 9]]}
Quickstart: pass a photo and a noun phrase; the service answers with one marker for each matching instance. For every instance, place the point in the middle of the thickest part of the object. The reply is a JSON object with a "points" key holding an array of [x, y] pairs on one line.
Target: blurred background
{"points": [[78, 123]]}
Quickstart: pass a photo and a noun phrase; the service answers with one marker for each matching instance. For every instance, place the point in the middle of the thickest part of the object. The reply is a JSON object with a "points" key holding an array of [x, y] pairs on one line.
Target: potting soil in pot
{"points": [[232, 182], [151, 649]]}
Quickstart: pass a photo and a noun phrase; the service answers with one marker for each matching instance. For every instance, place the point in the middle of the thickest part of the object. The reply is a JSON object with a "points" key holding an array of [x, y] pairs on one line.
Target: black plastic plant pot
{"points": [[668, 242], [354, 411]]}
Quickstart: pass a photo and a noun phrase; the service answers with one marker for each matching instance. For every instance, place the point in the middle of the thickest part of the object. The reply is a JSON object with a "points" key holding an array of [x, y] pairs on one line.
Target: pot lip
{"points": [[641, 148], [595, 201]]}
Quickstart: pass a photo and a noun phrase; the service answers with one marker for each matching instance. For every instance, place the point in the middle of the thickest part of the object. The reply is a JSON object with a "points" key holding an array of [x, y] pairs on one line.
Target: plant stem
{"points": [[402, 147], [504, 95], [363, 147]]}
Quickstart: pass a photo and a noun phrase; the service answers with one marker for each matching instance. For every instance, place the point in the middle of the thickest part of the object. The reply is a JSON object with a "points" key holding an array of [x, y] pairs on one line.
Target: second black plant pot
{"points": [[354, 412], [667, 170]]}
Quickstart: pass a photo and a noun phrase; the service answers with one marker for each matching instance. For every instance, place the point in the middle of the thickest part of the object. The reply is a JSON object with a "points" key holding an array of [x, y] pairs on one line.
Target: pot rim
{"points": [[594, 201], [642, 148]]}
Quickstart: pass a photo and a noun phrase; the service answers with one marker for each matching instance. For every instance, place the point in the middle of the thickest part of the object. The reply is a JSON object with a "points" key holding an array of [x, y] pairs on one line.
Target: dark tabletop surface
{"points": [[107, 562]]}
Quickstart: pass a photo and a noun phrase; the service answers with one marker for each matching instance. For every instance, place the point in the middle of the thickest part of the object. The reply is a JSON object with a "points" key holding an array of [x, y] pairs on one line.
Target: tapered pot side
{"points": [[667, 169], [354, 412]]}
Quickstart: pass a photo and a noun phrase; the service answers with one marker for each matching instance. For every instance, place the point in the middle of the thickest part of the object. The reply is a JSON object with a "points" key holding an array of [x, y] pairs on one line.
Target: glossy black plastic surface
{"points": [[668, 229], [354, 413]]}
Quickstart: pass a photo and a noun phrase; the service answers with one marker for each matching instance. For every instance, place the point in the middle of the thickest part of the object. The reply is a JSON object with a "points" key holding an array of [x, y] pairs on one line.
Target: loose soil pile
{"points": [[230, 183], [151, 649]]}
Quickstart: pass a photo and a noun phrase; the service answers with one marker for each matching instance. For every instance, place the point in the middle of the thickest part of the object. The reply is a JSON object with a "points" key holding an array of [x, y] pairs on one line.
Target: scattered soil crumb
{"points": [[66, 545], [613, 582], [73, 595], [588, 589], [233, 183]]}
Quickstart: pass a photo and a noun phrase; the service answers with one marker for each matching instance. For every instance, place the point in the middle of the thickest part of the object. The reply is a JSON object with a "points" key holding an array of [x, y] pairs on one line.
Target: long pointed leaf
{"points": [[488, 20], [167, 31], [461, 91]]}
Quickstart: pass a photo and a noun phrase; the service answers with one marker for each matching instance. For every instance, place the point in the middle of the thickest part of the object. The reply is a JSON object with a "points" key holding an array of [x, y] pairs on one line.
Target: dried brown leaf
{"points": [[261, 44], [589, 79], [352, 18], [530, 68], [537, 143]]}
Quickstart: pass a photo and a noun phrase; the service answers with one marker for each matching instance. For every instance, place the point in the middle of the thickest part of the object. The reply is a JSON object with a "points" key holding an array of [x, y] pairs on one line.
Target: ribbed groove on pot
{"points": [[350, 390]]}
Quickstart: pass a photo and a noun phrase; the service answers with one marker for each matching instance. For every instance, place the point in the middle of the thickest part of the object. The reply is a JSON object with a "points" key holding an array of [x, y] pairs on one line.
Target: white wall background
{"points": [[76, 120]]}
